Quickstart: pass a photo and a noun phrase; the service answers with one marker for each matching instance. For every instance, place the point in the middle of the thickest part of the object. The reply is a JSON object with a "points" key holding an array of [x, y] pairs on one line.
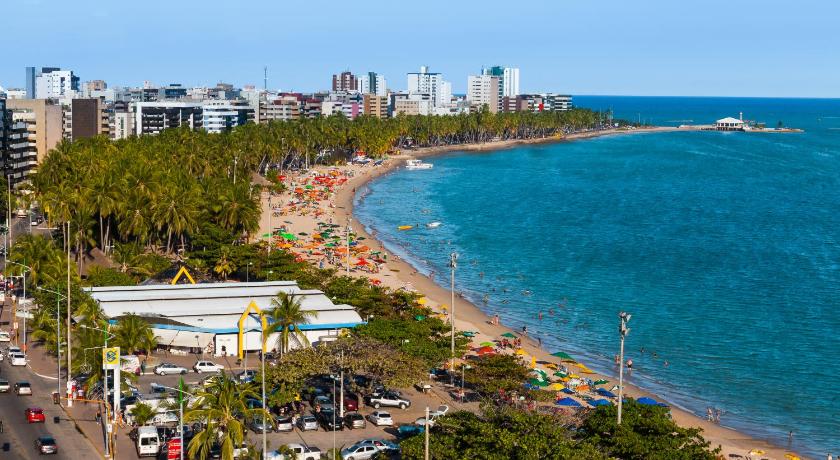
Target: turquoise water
{"points": [[725, 247]]}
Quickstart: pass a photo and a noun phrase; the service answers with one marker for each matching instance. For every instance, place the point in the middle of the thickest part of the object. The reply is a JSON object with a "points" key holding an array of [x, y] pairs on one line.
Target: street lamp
{"points": [[349, 229], [453, 264], [247, 271], [108, 335], [623, 330], [26, 269], [463, 378], [58, 297], [181, 394]]}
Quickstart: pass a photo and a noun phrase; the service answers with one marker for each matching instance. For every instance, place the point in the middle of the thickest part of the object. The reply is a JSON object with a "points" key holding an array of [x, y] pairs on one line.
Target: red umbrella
{"points": [[362, 262], [484, 350]]}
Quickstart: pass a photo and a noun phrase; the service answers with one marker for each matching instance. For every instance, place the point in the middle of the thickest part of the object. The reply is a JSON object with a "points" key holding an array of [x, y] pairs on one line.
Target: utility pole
{"points": [[426, 434], [341, 376], [453, 264], [69, 343], [623, 330], [348, 244]]}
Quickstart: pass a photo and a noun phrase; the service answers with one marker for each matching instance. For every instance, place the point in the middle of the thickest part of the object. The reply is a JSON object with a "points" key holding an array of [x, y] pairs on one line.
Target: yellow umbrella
{"points": [[443, 306], [580, 365], [574, 376], [422, 301], [520, 351], [557, 386], [533, 362], [791, 456], [756, 452]]}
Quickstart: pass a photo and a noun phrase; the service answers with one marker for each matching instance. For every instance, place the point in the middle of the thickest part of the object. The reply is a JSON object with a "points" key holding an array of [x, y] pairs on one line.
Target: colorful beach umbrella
{"points": [[508, 335], [600, 402], [600, 382], [605, 392], [564, 356], [568, 402], [647, 401], [487, 344]]}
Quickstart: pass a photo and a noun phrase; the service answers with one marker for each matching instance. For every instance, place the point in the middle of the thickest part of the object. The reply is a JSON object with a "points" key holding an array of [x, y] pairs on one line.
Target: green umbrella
{"points": [[508, 335], [330, 245], [303, 233], [309, 187], [266, 235], [564, 356], [419, 317], [288, 236], [487, 344], [600, 382]]}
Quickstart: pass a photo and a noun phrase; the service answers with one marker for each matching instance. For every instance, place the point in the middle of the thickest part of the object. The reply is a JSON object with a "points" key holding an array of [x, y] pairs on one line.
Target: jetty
{"points": [[740, 125]]}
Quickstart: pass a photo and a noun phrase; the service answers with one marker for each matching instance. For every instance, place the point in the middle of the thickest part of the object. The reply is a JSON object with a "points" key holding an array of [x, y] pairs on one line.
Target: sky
{"points": [[612, 47]]}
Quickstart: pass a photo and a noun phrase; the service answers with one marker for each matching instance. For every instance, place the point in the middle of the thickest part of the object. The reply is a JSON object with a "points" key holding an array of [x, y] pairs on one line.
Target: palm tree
{"points": [[222, 407], [142, 413], [133, 334], [285, 317], [224, 267]]}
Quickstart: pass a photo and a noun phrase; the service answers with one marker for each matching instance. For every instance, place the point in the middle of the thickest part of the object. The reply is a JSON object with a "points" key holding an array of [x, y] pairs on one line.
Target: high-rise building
{"points": [[95, 85], [223, 115], [30, 82], [84, 118], [36, 129], [546, 102], [283, 107], [56, 84], [121, 120], [508, 80], [372, 83], [376, 106], [425, 82], [345, 81], [154, 117], [484, 90]]}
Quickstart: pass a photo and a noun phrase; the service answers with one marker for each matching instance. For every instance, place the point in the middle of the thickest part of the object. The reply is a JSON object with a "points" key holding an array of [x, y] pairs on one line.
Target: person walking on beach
{"points": [[709, 415], [524, 330]]}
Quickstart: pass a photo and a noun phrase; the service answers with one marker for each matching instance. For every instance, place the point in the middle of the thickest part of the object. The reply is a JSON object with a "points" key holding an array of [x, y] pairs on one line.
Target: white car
{"points": [[14, 349], [17, 359], [23, 388], [300, 452], [164, 418], [359, 452], [208, 366], [169, 368], [381, 418], [4, 386], [5, 336]]}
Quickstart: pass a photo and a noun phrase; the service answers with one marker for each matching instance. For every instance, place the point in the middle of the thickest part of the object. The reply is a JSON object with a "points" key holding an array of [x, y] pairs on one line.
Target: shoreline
{"points": [[401, 274]]}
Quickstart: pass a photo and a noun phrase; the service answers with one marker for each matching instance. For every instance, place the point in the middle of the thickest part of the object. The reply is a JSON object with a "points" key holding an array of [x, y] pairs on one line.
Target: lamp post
{"points": [[453, 264], [463, 379], [426, 436], [623, 330], [58, 297], [107, 335], [262, 377], [247, 272], [181, 394], [26, 268]]}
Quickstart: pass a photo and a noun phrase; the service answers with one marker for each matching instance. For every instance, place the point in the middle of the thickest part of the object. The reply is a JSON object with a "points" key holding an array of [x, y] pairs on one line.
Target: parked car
{"points": [[4, 386], [324, 402], [307, 423], [208, 366], [359, 452], [165, 418], [381, 418], [283, 424], [299, 452], [388, 398], [354, 420], [382, 444], [5, 336], [247, 376], [169, 368], [35, 415], [408, 430], [330, 421], [23, 388], [256, 424], [238, 452], [351, 402], [46, 445]]}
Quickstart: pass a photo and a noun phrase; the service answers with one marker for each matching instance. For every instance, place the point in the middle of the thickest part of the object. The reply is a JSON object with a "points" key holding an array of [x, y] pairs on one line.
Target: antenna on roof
{"points": [[265, 78]]}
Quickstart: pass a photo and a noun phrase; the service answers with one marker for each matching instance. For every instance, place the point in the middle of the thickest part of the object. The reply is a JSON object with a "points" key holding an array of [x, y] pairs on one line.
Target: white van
{"points": [[17, 359], [148, 442]]}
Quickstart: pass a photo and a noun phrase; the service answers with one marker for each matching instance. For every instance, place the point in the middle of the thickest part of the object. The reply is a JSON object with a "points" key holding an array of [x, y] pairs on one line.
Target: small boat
{"points": [[417, 164], [433, 225], [405, 227]]}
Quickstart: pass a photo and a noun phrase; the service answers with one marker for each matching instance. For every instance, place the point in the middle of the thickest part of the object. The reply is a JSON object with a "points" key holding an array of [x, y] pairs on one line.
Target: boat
{"points": [[405, 227], [417, 164], [433, 225]]}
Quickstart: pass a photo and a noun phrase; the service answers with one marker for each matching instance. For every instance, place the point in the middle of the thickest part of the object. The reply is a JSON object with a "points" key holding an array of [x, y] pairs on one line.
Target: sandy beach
{"points": [[337, 207]]}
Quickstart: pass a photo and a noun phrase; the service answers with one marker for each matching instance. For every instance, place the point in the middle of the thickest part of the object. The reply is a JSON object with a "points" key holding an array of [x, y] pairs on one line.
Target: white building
{"points": [[223, 115], [425, 82], [510, 82], [484, 90], [372, 83], [56, 84], [219, 318], [154, 117], [730, 124]]}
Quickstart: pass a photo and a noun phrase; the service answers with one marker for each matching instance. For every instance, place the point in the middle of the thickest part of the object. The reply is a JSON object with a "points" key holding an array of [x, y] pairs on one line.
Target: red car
{"points": [[35, 415]]}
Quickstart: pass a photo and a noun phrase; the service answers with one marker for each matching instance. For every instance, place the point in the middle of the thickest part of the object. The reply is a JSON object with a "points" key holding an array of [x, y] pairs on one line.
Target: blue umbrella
{"points": [[647, 401], [567, 391], [600, 402], [568, 402], [606, 393]]}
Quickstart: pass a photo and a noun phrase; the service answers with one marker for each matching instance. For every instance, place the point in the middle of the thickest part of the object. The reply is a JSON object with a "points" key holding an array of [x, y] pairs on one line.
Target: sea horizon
{"points": [[644, 170]]}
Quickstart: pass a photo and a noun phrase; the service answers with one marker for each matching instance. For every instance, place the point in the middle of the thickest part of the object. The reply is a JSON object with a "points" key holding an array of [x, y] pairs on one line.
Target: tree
{"points": [[101, 276], [500, 434], [492, 373], [285, 317], [134, 334], [142, 413], [646, 432], [426, 338], [224, 266], [222, 407]]}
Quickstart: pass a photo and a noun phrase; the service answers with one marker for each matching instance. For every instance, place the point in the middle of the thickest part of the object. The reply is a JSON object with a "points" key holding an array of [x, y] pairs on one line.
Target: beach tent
{"points": [[563, 356], [600, 402], [606, 393], [647, 401], [508, 335], [568, 402]]}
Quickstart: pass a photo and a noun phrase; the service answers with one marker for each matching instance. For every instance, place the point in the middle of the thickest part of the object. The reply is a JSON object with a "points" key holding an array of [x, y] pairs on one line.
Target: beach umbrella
{"points": [[487, 344], [568, 402], [605, 392], [288, 236], [647, 401], [362, 262], [563, 356], [533, 362], [557, 386], [419, 317], [600, 382], [600, 402], [422, 301], [568, 391], [520, 351], [303, 233], [486, 349], [508, 335], [560, 374]]}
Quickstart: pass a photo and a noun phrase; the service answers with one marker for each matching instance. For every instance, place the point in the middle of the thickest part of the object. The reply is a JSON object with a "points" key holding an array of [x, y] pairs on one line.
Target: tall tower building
{"points": [[425, 82], [508, 80], [372, 83], [345, 81], [484, 90]]}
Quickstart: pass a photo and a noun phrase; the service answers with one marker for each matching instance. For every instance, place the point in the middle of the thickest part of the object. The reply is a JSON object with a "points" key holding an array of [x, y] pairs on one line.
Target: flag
{"points": [[181, 393]]}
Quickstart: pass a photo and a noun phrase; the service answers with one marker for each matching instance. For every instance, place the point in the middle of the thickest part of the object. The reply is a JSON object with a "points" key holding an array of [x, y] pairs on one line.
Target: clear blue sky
{"points": [[642, 47]]}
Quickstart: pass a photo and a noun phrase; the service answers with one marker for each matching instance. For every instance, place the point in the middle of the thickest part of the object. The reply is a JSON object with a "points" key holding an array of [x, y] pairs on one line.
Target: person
{"points": [[709, 415], [540, 316], [630, 364], [829, 456], [525, 330], [539, 341], [617, 360]]}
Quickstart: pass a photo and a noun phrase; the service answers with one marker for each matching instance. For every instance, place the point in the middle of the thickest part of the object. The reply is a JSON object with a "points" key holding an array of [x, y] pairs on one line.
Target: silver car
{"points": [[283, 424], [307, 423]]}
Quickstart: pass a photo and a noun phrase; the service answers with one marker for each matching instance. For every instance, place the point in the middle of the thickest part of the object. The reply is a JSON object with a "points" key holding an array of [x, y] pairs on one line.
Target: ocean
{"points": [[725, 248]]}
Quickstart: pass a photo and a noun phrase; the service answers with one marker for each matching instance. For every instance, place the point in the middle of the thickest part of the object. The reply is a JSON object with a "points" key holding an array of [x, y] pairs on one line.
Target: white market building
{"points": [[207, 316]]}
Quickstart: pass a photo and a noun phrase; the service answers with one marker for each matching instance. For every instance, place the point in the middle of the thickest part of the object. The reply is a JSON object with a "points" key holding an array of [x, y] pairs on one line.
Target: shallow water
{"points": [[723, 246]]}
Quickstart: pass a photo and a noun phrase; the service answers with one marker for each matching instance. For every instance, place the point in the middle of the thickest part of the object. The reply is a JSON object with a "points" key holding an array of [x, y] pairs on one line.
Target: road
{"points": [[21, 435]]}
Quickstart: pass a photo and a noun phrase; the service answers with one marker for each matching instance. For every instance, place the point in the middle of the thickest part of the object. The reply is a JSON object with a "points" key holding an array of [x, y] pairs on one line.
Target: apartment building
{"points": [[344, 81], [372, 83], [84, 118], [35, 129], [56, 84], [221, 116], [425, 82], [483, 90], [283, 107], [375, 105], [154, 117]]}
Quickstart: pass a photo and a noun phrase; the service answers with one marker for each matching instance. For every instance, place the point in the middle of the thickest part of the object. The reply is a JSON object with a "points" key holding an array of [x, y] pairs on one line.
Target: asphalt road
{"points": [[21, 435]]}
